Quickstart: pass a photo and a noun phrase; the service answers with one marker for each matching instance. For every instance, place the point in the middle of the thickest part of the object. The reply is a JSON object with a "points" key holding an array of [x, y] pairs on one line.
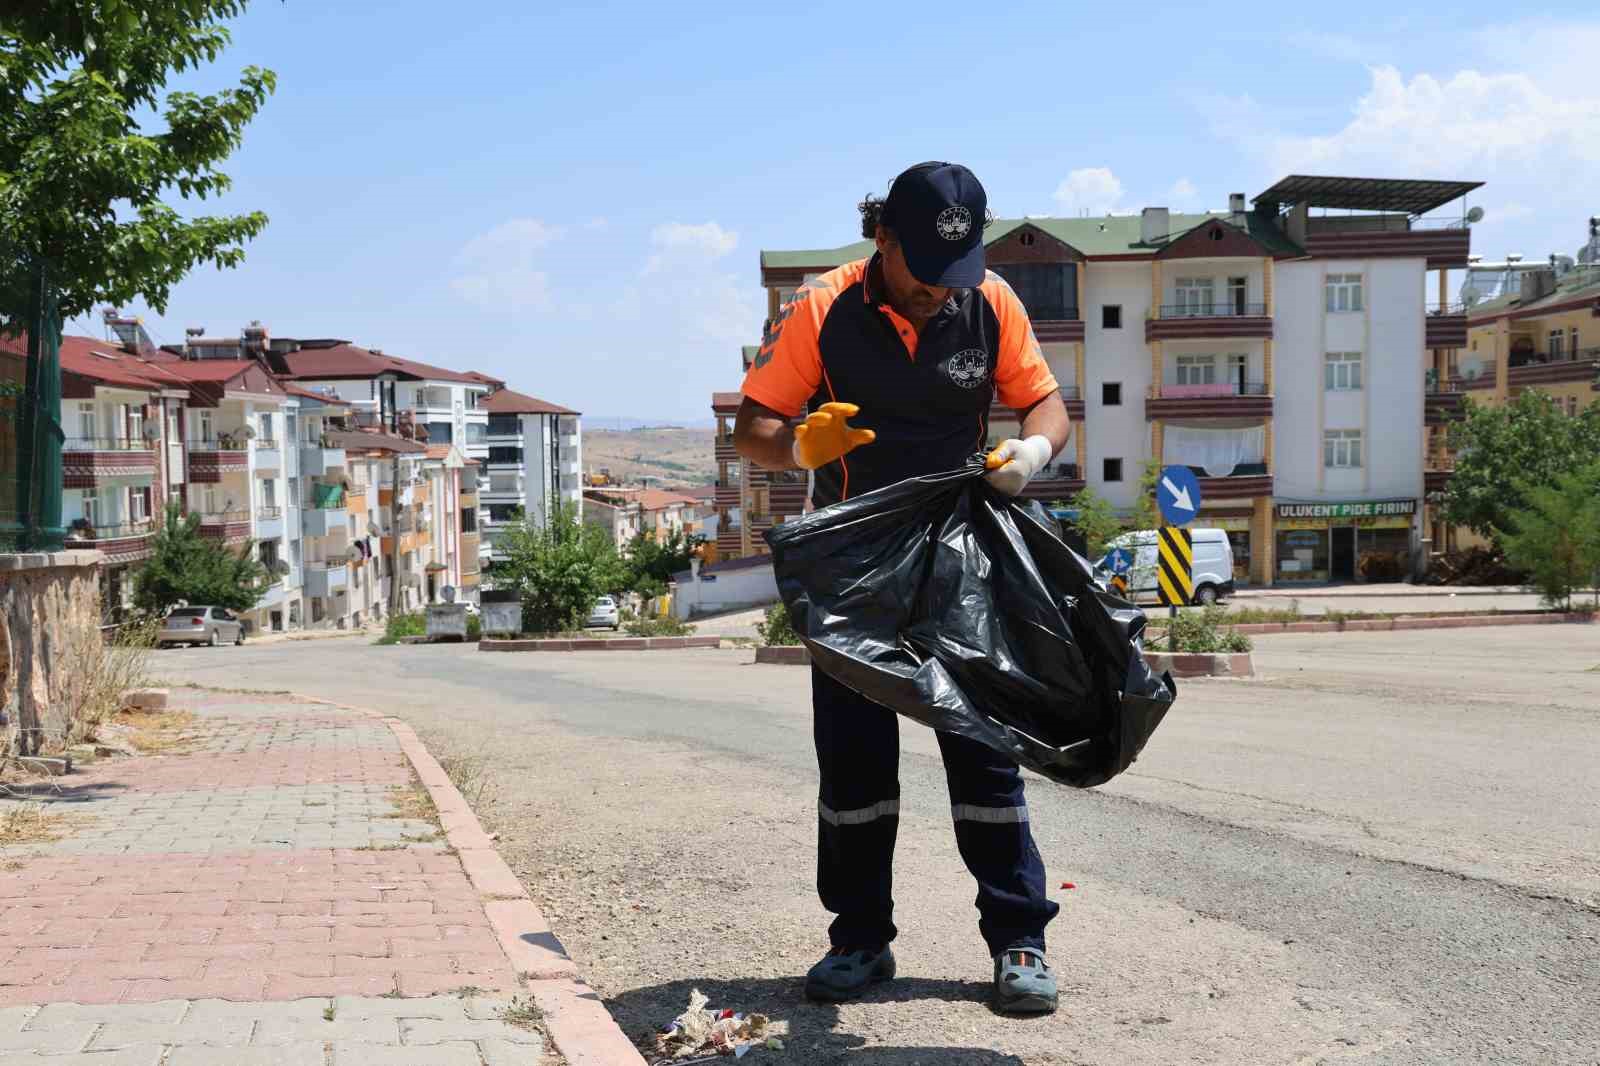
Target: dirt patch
{"points": [[152, 732], [30, 823]]}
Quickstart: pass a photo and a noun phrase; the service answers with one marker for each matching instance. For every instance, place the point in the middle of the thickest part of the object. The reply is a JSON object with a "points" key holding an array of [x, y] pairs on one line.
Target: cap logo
{"points": [[969, 368], [954, 223]]}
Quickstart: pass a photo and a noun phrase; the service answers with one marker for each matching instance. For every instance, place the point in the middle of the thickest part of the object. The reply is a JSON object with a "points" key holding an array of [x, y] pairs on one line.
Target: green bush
{"points": [[658, 627], [1205, 631], [777, 630], [414, 624], [474, 628]]}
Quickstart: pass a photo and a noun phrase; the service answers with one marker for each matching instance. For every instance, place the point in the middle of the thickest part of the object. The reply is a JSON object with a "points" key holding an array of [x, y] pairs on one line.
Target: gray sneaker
{"points": [[1023, 982], [845, 973]]}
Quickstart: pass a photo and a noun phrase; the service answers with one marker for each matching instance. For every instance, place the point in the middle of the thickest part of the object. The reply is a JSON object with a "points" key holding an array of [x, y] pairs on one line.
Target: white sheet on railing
{"points": [[1216, 451]]}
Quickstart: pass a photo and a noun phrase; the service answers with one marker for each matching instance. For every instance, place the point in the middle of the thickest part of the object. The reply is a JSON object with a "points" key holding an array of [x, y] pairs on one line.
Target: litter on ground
{"points": [[702, 1030]]}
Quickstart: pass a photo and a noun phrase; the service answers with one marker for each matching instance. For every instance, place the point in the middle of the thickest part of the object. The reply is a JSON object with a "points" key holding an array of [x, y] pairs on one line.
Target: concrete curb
{"points": [[602, 644], [1374, 625], [784, 654], [574, 1016], [1201, 664]]}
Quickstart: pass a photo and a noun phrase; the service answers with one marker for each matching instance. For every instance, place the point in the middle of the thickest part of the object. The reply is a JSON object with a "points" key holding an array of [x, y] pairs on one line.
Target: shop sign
{"points": [[1359, 509]]}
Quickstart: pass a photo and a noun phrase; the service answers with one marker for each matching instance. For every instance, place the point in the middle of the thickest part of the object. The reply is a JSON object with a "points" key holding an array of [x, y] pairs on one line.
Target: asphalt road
{"points": [[1384, 852]]}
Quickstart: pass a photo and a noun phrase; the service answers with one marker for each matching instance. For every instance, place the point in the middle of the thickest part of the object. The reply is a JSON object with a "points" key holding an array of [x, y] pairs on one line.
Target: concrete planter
{"points": [[1201, 664], [602, 644], [784, 655]]}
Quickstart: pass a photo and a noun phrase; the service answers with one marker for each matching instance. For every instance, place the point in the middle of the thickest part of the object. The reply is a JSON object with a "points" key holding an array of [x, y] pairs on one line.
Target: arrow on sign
{"points": [[1180, 497]]}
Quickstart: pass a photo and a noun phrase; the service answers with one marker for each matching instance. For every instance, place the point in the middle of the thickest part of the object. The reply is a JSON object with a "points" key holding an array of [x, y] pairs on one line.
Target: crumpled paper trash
{"points": [[701, 1030]]}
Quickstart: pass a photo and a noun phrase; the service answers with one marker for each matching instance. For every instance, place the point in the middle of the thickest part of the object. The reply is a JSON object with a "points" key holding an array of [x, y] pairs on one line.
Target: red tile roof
{"points": [[351, 361], [661, 499], [508, 402], [359, 440], [101, 361]]}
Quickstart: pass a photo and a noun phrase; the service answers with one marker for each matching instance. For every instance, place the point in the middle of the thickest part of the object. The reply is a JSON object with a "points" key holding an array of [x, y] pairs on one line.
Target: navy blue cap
{"points": [[937, 211]]}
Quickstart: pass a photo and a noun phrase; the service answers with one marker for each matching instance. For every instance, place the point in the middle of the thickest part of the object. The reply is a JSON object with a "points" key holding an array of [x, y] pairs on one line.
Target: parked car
{"points": [[1213, 565], [604, 614], [201, 625]]}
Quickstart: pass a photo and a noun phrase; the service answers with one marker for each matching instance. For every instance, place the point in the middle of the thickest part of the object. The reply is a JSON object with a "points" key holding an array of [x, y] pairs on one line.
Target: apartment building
{"points": [[749, 499], [533, 462], [627, 512], [1277, 350]]}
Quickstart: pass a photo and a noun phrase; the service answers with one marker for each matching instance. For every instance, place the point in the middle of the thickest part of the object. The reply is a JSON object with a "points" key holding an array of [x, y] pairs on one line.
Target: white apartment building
{"points": [[1280, 352], [534, 462]]}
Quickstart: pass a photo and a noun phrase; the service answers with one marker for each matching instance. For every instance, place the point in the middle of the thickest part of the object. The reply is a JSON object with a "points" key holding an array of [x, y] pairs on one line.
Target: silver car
{"points": [[201, 625], [604, 614]]}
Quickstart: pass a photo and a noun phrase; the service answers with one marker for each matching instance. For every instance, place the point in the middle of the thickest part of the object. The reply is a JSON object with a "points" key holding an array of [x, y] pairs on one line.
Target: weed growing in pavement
{"points": [[658, 627], [1240, 616], [400, 626], [328, 1013], [381, 847], [157, 732], [522, 1012], [412, 801], [466, 992], [472, 778], [776, 629], [419, 838], [30, 823], [102, 674]]}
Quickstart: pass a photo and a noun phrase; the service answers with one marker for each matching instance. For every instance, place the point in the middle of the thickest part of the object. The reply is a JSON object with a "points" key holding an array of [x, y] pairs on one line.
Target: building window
{"points": [[1342, 372], [1111, 316], [1343, 292], [294, 492], [91, 506], [1111, 394], [1572, 406], [1558, 342], [1111, 470], [1049, 291], [469, 520], [1196, 296], [439, 433], [505, 455], [203, 421], [1197, 369], [1572, 341], [266, 428], [86, 421], [1341, 448], [138, 504], [1238, 290], [505, 426], [476, 432], [135, 423]]}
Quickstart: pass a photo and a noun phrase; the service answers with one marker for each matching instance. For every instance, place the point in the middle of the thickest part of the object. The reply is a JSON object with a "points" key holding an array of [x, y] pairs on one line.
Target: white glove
{"points": [[1013, 464]]}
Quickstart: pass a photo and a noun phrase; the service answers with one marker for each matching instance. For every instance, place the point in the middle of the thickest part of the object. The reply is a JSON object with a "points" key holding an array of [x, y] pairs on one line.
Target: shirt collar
{"points": [[872, 280]]}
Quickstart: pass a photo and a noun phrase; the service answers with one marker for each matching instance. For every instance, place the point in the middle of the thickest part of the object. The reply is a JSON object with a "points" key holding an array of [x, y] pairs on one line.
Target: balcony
{"points": [[1230, 319], [503, 428], [227, 526], [1228, 399], [91, 461], [123, 542], [1438, 468], [1389, 237], [1561, 367], [726, 495], [317, 460], [356, 502], [269, 523], [1445, 326], [1057, 481], [325, 521], [1248, 481], [269, 456], [1069, 395], [211, 458], [1056, 323], [271, 595], [1442, 403], [724, 451], [325, 579]]}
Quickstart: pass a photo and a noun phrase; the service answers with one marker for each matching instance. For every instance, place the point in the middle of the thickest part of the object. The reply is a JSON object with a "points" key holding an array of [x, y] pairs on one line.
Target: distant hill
{"points": [[622, 423], [676, 455]]}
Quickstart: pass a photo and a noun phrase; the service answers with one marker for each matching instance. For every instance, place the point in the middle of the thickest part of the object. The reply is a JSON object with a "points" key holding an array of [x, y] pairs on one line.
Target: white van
{"points": [[1213, 564]]}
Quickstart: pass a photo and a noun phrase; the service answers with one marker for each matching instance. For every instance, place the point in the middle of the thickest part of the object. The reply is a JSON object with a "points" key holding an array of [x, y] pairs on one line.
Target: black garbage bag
{"points": [[953, 605]]}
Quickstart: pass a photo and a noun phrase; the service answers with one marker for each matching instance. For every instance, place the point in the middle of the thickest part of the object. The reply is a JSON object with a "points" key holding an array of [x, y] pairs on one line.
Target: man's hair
{"points": [[871, 208]]}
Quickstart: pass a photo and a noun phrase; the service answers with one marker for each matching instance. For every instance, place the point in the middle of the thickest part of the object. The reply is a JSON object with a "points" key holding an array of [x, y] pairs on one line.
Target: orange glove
{"points": [[827, 435]]}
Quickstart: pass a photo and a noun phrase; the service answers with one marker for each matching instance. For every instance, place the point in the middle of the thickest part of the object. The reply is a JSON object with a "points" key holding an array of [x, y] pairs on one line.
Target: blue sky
{"points": [[573, 196]]}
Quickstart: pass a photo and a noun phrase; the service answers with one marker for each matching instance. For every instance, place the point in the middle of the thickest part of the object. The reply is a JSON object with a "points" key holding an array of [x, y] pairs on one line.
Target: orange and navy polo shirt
{"points": [[928, 397]]}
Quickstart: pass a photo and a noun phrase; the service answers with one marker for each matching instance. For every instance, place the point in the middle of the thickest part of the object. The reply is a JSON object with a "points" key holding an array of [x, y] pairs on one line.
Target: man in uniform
{"points": [[915, 341]]}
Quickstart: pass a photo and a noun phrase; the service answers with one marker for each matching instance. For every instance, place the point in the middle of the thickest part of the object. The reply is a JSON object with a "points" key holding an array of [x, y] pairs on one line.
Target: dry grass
{"points": [[412, 801], [523, 1013], [157, 732], [472, 777], [30, 823], [102, 673]]}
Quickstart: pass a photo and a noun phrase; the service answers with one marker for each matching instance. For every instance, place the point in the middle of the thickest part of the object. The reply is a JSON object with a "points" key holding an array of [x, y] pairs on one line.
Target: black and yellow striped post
{"points": [[1175, 574]]}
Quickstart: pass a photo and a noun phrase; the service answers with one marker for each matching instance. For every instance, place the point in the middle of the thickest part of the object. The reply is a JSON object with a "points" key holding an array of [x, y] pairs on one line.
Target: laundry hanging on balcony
{"points": [[1216, 451]]}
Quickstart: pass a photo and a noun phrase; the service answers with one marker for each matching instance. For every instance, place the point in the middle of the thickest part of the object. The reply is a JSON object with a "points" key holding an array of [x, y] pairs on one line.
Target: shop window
{"points": [[1383, 554], [1303, 555]]}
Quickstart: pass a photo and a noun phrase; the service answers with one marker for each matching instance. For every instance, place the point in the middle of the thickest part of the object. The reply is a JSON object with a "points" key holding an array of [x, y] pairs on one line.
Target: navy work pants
{"points": [[858, 752]]}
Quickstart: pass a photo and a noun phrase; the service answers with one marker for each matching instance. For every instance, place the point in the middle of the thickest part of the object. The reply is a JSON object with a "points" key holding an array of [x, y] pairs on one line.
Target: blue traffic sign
{"points": [[1178, 494], [1120, 560]]}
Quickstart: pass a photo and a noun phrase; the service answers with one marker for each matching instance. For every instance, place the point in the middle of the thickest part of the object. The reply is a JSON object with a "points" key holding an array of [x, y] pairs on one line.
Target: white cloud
{"points": [[499, 270], [708, 237], [1184, 196], [1094, 190]]}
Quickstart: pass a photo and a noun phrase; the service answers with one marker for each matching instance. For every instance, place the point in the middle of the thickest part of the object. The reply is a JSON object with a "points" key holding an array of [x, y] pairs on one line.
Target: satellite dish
{"points": [[248, 432], [1470, 294], [281, 568], [152, 432], [448, 593], [354, 554], [1475, 215]]}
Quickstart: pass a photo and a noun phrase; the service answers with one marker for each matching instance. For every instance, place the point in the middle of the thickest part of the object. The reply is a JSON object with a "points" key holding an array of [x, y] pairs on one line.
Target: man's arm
{"points": [[764, 436], [1049, 419]]}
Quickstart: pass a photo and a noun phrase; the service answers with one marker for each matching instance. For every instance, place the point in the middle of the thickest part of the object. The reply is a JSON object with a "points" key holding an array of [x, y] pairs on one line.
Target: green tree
{"points": [[85, 164], [558, 569], [1145, 513], [1097, 520], [651, 562], [1503, 452], [185, 567], [1555, 534]]}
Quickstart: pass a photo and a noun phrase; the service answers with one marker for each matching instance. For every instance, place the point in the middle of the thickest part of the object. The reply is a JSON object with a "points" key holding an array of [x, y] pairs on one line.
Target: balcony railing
{"points": [[1562, 355], [104, 444], [1215, 388], [1216, 309], [97, 531], [1449, 307], [220, 443], [265, 444], [269, 514]]}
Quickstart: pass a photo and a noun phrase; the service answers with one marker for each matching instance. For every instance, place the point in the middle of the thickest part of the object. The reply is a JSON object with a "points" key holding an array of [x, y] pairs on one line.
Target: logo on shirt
{"points": [[969, 368], [954, 223]]}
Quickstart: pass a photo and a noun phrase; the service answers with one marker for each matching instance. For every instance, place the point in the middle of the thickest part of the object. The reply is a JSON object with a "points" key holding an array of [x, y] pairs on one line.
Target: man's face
{"points": [[908, 295]]}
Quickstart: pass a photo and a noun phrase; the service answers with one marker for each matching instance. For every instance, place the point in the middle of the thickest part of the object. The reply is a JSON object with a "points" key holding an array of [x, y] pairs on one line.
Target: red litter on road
{"points": [[1068, 884]]}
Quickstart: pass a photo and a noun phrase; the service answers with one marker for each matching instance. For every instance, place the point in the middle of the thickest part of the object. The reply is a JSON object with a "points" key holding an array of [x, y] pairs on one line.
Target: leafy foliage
{"points": [[658, 627], [1205, 630], [777, 629], [185, 567], [400, 626], [1503, 453], [558, 570], [1145, 513], [1097, 520], [82, 179], [651, 562], [1555, 536]]}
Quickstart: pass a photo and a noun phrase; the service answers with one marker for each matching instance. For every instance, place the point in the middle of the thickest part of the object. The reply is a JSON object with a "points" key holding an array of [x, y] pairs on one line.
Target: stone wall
{"points": [[49, 603]]}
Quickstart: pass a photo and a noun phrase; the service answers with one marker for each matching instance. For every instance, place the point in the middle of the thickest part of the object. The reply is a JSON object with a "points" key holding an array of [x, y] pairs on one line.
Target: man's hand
{"points": [[827, 435], [1013, 464]]}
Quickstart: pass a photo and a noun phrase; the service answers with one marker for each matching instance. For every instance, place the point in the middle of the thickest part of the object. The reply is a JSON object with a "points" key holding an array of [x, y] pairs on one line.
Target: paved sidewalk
{"points": [[258, 898]]}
